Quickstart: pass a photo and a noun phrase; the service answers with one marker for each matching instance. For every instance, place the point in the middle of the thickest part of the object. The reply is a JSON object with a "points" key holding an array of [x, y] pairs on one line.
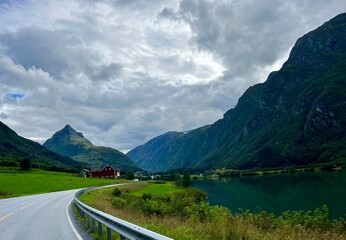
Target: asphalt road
{"points": [[43, 216]]}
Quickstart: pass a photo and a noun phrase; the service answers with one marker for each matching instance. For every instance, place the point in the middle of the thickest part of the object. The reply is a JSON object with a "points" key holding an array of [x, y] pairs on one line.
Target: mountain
{"points": [[14, 148], [296, 117], [68, 142]]}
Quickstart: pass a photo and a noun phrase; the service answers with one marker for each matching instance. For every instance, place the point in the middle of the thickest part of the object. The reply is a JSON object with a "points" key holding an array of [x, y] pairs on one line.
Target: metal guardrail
{"points": [[125, 229]]}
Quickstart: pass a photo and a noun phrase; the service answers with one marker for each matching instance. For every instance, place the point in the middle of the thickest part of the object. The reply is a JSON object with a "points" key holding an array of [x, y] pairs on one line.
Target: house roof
{"points": [[104, 166]]}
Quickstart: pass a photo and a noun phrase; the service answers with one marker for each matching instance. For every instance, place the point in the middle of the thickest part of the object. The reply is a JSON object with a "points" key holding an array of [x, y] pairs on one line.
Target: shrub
{"points": [[25, 164], [4, 193], [116, 192], [199, 212], [204, 212], [219, 213], [118, 202], [316, 219], [146, 196], [264, 220], [153, 207], [198, 195]]}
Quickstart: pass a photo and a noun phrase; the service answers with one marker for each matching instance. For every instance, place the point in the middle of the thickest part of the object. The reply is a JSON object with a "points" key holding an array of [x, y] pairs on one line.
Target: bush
{"points": [[4, 193], [199, 212], [25, 164], [146, 196], [153, 207], [316, 219], [118, 202], [116, 192]]}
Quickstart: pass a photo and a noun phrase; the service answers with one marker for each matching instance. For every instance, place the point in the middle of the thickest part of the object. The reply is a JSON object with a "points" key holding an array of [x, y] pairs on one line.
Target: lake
{"points": [[278, 193]]}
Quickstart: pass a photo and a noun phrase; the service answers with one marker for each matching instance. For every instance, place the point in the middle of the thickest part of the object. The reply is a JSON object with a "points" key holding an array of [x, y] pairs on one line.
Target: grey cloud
{"points": [[3, 116], [170, 13], [56, 53], [246, 33], [107, 71], [119, 71], [37, 48]]}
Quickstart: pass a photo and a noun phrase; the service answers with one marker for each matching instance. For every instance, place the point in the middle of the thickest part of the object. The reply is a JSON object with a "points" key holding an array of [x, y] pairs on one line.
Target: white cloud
{"points": [[124, 71]]}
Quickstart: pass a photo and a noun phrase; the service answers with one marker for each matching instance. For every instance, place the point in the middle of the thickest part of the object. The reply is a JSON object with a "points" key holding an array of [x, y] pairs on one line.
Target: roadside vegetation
{"points": [[16, 182], [183, 213]]}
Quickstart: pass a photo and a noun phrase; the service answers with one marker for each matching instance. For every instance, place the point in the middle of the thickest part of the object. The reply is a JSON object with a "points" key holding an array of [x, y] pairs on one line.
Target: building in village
{"points": [[106, 172]]}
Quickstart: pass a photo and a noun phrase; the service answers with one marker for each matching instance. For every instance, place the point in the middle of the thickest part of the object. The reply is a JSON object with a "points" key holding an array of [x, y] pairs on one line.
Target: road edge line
{"points": [[27, 205], [70, 222], [6, 216]]}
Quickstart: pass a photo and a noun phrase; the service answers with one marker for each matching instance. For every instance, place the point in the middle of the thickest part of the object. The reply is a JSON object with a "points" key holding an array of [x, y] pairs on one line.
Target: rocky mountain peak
{"points": [[321, 47], [69, 142], [68, 130]]}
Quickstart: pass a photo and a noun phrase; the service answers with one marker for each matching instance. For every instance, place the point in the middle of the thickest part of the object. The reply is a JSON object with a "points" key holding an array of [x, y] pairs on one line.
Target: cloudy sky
{"points": [[125, 71]]}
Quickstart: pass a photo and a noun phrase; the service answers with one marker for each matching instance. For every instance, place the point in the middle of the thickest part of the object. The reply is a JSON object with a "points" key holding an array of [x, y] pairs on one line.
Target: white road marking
{"points": [[6, 216], [70, 222], [27, 206]]}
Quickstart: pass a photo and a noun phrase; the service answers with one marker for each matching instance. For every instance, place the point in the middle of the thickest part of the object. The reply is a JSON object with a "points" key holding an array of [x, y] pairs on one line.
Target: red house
{"points": [[106, 172]]}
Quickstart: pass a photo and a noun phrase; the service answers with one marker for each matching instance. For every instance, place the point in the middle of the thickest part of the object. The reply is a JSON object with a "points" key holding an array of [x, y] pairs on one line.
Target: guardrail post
{"points": [[109, 234], [85, 218], [100, 229], [122, 238], [93, 223]]}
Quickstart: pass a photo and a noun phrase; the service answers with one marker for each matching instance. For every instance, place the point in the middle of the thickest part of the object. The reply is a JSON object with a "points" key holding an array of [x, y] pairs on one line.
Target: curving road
{"points": [[43, 216]]}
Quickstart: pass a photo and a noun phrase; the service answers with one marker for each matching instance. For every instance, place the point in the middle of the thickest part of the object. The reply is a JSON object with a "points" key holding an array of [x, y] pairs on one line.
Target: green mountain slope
{"points": [[71, 143], [14, 148], [296, 117]]}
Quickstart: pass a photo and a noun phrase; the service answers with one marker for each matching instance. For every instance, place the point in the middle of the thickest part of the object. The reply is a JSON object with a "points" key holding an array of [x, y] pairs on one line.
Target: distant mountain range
{"points": [[296, 117], [69, 142], [14, 148]]}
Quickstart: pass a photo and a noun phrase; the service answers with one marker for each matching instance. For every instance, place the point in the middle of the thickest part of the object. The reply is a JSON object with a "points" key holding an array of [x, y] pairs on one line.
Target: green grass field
{"points": [[157, 189], [14, 182]]}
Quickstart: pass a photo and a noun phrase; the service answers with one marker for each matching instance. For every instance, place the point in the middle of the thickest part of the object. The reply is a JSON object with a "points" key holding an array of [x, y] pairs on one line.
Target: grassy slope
{"points": [[157, 189], [13, 148], [14, 182], [69, 142], [224, 226]]}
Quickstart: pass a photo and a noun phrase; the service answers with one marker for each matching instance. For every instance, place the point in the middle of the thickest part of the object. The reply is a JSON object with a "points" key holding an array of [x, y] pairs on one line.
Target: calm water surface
{"points": [[278, 193]]}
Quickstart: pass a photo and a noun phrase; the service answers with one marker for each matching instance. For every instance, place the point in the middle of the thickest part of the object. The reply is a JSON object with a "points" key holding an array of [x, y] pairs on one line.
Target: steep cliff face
{"points": [[296, 117]]}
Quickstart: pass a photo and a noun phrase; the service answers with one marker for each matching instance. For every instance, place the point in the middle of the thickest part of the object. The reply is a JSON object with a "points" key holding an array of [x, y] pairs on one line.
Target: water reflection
{"points": [[278, 193]]}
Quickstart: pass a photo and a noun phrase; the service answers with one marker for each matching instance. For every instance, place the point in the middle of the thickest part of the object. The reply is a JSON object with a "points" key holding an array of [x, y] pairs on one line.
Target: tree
{"points": [[25, 164], [186, 178]]}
